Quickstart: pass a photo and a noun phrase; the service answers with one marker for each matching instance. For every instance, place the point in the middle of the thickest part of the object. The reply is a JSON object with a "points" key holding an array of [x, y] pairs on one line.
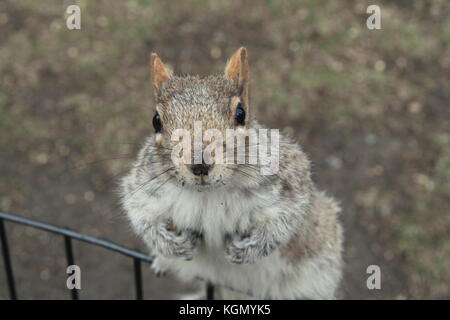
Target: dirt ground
{"points": [[370, 107]]}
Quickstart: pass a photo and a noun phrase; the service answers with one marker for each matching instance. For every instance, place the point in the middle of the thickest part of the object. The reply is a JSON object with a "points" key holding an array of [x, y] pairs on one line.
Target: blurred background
{"points": [[370, 107]]}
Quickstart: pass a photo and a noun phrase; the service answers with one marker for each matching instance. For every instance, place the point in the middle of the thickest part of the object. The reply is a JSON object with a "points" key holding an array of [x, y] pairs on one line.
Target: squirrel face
{"points": [[216, 102]]}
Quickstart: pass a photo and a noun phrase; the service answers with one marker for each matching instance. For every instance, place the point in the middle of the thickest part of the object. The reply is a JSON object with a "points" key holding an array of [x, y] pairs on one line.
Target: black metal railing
{"points": [[69, 235]]}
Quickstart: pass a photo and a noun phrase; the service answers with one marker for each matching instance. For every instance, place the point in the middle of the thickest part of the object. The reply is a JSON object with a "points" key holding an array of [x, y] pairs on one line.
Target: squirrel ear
{"points": [[237, 70], [159, 72]]}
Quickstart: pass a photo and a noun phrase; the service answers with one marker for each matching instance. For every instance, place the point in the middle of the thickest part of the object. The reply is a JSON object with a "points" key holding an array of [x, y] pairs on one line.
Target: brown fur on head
{"points": [[182, 100]]}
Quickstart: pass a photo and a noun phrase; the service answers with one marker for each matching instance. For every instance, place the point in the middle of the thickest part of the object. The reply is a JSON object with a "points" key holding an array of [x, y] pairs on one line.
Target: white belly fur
{"points": [[217, 213]]}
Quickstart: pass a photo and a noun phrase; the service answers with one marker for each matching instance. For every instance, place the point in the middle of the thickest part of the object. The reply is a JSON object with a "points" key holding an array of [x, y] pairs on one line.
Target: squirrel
{"points": [[268, 237]]}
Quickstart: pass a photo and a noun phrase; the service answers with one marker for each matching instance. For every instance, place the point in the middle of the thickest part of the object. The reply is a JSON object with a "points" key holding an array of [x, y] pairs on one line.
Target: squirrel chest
{"points": [[214, 214]]}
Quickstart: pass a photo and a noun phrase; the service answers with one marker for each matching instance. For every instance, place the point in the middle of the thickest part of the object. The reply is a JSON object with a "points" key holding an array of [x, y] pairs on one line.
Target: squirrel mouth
{"points": [[202, 181]]}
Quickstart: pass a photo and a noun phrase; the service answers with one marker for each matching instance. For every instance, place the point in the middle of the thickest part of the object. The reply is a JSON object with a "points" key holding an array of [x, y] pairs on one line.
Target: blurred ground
{"points": [[370, 107]]}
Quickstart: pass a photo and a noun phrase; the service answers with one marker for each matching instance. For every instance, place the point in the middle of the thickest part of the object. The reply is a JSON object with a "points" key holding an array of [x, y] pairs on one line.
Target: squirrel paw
{"points": [[160, 266], [178, 244], [243, 250]]}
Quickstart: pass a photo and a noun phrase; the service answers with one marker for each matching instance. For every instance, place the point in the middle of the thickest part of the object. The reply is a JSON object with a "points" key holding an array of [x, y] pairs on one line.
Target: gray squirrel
{"points": [[271, 237]]}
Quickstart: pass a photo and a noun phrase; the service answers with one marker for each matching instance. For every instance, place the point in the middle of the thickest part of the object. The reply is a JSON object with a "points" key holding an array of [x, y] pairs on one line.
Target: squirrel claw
{"points": [[241, 249], [177, 243], [161, 273]]}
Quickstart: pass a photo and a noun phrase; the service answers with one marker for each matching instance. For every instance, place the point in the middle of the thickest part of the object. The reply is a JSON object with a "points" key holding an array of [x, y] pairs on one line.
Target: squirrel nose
{"points": [[201, 169]]}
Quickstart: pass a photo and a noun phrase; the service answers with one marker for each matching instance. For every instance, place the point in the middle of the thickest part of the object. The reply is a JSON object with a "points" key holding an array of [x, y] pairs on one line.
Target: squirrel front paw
{"points": [[248, 248], [172, 243], [160, 266]]}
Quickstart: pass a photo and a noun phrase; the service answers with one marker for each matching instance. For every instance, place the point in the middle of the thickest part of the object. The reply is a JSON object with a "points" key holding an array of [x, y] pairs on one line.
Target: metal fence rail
{"points": [[68, 235]]}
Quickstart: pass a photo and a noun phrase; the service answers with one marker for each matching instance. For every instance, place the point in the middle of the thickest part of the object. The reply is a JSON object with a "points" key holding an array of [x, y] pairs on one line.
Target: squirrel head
{"points": [[182, 100], [219, 102]]}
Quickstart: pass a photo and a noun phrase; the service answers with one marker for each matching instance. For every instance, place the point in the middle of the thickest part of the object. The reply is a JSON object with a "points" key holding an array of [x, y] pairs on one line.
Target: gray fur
{"points": [[274, 236]]}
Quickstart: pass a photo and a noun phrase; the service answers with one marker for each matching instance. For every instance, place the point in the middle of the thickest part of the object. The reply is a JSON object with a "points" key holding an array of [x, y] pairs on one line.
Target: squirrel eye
{"points": [[240, 114], [157, 123]]}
